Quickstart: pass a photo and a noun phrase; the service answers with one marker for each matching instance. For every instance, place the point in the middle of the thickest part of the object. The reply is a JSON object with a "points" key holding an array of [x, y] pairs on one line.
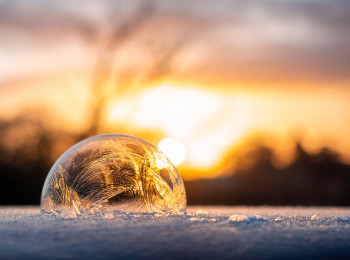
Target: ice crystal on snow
{"points": [[108, 216], [278, 219], [115, 172], [238, 218], [202, 212], [243, 218], [315, 217]]}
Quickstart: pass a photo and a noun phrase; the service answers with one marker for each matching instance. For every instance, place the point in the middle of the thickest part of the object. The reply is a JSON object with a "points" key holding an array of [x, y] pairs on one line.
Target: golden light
{"points": [[175, 150], [209, 123]]}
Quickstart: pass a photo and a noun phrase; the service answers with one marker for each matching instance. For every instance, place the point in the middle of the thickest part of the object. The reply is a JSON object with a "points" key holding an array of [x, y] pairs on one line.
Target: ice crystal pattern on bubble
{"points": [[115, 172]]}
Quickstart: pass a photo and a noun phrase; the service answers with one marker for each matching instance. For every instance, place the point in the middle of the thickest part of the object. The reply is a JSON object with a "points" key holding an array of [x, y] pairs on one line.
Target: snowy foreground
{"points": [[205, 233]]}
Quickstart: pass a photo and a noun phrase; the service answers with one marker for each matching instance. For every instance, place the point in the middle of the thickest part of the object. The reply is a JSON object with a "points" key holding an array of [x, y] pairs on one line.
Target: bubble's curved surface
{"points": [[117, 172]]}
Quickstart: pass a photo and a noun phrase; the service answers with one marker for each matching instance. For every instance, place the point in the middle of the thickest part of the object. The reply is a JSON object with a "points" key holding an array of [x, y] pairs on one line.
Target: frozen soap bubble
{"points": [[113, 172]]}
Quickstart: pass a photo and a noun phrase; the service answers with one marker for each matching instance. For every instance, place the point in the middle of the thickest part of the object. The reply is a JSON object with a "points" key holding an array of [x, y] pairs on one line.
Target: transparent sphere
{"points": [[114, 172]]}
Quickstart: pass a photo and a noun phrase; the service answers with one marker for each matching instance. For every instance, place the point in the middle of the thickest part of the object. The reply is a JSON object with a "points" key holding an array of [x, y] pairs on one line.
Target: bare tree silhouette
{"points": [[104, 83]]}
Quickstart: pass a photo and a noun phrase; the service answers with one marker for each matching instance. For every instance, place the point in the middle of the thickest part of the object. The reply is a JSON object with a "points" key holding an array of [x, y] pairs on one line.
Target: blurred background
{"points": [[250, 99]]}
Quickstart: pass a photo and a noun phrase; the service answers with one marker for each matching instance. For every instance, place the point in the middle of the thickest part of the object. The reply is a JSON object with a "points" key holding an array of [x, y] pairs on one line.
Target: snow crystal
{"points": [[108, 216], [278, 219], [256, 218], [343, 219], [202, 212], [243, 218], [196, 219], [315, 217], [238, 218]]}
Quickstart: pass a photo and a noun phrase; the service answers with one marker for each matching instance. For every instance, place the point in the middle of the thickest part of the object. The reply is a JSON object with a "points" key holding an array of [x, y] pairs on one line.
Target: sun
{"points": [[173, 149]]}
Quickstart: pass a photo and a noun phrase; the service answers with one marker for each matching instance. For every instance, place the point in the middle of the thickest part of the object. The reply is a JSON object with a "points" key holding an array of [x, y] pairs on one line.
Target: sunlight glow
{"points": [[175, 150], [210, 123]]}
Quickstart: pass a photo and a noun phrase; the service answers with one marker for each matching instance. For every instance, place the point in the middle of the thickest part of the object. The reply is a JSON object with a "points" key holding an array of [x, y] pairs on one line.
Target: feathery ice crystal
{"points": [[113, 172]]}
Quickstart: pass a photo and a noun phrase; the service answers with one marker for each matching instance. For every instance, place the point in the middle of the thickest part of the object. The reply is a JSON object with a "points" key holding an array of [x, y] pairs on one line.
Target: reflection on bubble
{"points": [[113, 172]]}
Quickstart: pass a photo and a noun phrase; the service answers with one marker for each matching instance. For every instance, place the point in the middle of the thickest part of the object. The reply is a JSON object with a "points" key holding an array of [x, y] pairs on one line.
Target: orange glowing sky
{"points": [[242, 72], [210, 122]]}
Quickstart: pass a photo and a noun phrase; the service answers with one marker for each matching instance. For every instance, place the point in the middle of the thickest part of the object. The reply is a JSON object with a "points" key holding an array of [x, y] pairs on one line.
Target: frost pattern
{"points": [[114, 172]]}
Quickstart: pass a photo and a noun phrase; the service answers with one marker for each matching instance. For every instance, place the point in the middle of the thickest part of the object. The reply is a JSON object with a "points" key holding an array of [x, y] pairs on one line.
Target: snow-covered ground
{"points": [[205, 233]]}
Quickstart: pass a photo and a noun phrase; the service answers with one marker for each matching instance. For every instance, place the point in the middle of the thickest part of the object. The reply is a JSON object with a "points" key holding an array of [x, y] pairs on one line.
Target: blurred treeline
{"points": [[27, 148], [310, 179]]}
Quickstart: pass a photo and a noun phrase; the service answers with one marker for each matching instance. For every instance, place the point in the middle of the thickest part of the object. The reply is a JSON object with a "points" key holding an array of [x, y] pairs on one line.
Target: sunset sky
{"points": [[233, 70]]}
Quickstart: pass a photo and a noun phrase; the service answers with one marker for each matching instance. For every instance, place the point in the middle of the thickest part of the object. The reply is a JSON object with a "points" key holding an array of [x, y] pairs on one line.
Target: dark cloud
{"points": [[286, 41]]}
